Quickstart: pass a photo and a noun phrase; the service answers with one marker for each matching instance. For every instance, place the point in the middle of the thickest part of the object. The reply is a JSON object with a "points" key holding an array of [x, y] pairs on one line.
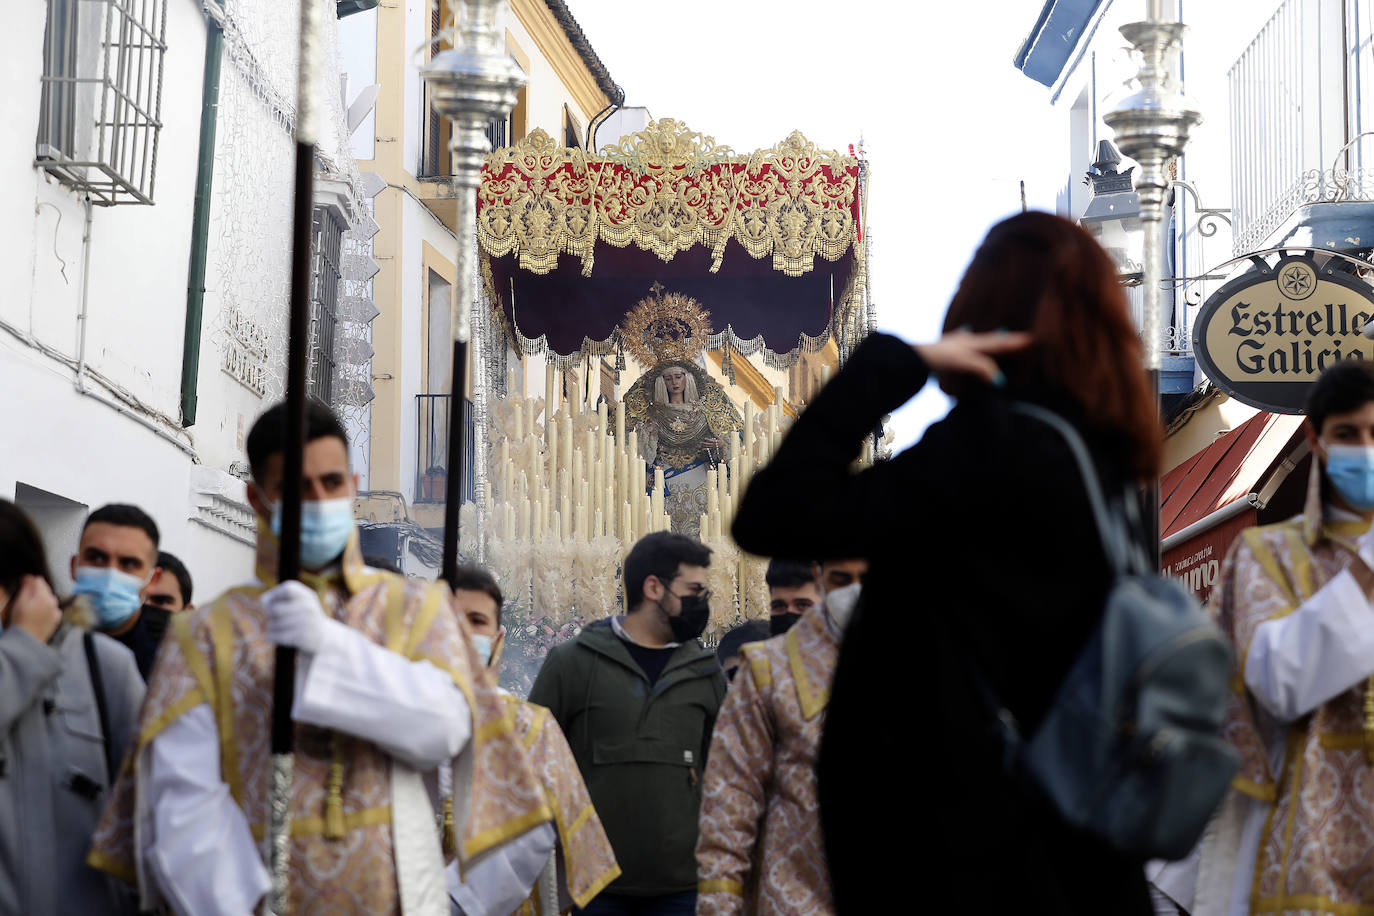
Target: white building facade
{"points": [[143, 324]]}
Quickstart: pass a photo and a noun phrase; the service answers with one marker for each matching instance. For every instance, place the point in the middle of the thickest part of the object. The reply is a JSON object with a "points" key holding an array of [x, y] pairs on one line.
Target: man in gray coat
{"points": [[68, 703]]}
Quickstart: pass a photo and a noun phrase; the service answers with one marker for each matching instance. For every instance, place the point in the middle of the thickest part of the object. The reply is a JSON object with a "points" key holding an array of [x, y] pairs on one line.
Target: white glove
{"points": [[294, 616]]}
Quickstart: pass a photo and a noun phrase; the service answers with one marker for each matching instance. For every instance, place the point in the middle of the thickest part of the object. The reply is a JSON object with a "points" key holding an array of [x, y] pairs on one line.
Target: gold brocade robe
{"points": [[587, 862], [1315, 853], [218, 654], [760, 849]]}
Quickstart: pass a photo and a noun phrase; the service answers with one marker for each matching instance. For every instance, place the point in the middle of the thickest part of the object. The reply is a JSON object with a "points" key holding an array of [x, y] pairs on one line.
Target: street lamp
{"points": [[1113, 213], [1151, 125], [472, 84]]}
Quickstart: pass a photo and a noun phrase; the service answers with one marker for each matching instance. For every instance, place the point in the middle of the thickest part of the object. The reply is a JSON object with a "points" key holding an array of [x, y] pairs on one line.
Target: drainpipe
{"points": [[200, 221]]}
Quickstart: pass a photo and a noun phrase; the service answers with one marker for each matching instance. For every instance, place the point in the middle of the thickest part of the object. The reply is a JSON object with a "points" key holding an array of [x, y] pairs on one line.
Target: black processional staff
{"points": [[293, 452], [472, 85]]}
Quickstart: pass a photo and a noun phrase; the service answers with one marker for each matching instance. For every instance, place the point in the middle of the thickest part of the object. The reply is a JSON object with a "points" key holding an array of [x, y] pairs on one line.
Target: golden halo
{"points": [[664, 328]]}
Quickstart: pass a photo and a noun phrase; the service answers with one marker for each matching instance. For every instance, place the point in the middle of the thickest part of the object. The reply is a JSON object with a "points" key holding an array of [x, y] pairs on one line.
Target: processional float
{"points": [[663, 255]]}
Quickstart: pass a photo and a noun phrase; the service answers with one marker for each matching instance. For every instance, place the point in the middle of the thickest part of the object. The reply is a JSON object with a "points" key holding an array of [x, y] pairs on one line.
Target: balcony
{"points": [[435, 172], [431, 449]]}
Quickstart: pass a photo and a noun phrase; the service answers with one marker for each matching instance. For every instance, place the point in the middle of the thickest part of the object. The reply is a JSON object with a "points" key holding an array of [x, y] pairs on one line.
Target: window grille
{"points": [[324, 301], [100, 111]]}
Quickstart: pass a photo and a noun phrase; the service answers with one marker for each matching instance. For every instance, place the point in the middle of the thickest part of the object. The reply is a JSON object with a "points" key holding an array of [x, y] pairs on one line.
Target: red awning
{"points": [[1228, 469]]}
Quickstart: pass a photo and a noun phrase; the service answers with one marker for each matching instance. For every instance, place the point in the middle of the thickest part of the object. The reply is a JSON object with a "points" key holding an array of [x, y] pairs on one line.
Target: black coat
{"points": [[982, 548]]}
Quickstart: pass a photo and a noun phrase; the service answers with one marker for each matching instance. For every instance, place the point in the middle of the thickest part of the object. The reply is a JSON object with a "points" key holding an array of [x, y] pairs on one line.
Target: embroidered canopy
{"points": [[771, 243]]}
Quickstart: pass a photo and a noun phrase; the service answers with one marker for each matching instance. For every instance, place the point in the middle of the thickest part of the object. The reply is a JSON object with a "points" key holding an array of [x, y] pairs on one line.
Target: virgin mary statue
{"points": [[682, 416]]}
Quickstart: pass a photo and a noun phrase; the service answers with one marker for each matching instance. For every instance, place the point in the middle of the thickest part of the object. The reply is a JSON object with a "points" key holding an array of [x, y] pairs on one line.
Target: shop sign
{"points": [[1264, 337]]}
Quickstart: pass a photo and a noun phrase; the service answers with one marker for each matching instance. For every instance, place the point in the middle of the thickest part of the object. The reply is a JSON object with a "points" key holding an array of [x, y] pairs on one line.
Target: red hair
{"points": [[1040, 273]]}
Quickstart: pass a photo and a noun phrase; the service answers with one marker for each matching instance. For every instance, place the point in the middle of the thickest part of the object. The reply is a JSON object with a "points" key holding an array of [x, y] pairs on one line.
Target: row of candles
{"points": [[580, 475]]}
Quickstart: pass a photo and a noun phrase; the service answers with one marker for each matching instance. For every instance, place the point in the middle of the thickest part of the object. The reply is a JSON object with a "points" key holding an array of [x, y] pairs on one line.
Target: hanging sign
{"points": [[1264, 337]]}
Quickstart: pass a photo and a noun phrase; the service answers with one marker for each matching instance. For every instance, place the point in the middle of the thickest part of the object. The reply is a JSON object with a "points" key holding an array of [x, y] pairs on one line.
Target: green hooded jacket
{"points": [[641, 750]]}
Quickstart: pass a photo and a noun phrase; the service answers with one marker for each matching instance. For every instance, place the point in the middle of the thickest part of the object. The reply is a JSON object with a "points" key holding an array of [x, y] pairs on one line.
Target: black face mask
{"points": [[781, 623], [691, 620], [155, 619]]}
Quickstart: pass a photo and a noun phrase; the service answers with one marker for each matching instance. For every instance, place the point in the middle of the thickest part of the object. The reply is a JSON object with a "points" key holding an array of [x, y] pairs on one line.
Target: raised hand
{"points": [[967, 353]]}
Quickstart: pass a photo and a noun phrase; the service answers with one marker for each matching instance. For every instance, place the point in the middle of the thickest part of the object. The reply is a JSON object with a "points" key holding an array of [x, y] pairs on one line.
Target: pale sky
{"points": [[949, 125]]}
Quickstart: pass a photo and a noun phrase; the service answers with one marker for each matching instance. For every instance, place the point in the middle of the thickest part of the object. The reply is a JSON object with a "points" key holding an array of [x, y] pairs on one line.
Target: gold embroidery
{"points": [[1313, 903], [720, 886], [758, 666], [665, 327], [222, 642], [812, 699], [583, 816], [668, 189], [170, 715], [195, 661], [429, 609], [312, 826], [1254, 789], [536, 725], [112, 866], [495, 836]]}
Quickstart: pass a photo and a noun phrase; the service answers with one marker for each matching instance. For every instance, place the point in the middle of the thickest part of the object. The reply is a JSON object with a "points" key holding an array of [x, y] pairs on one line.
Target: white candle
{"points": [[601, 430], [749, 429], [519, 419], [566, 447], [633, 448], [525, 531], [505, 469], [825, 374], [565, 517], [576, 469], [620, 424], [549, 401], [705, 525], [551, 441]]}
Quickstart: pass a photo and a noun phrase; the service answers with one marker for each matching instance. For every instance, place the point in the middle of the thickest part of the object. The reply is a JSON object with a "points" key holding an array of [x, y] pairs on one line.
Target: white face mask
{"points": [[839, 606]]}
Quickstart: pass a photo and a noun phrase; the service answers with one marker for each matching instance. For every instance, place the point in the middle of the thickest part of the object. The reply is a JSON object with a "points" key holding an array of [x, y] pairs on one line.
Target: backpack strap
{"points": [[1122, 553], [98, 688]]}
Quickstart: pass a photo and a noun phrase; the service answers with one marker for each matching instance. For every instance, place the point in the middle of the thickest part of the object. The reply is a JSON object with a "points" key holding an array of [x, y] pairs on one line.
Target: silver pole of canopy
{"points": [[293, 456], [472, 85]]}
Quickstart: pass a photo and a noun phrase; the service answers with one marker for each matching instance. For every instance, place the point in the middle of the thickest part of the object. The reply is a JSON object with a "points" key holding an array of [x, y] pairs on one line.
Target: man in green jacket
{"points": [[637, 696]]}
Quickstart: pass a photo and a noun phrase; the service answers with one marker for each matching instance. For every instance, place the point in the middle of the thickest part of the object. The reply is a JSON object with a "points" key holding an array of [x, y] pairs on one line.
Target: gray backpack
{"points": [[1131, 748]]}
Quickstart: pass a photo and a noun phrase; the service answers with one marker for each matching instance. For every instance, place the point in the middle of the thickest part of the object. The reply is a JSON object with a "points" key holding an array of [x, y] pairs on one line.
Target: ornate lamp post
{"points": [[1151, 125], [473, 84]]}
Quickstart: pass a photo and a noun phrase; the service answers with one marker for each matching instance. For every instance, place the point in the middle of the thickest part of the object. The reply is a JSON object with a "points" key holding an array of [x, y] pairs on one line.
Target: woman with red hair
{"points": [[984, 556]]}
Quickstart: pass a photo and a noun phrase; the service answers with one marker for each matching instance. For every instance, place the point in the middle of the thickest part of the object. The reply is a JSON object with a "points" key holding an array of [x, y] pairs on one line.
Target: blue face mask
{"points": [[1350, 468], [113, 594], [483, 646], [326, 525]]}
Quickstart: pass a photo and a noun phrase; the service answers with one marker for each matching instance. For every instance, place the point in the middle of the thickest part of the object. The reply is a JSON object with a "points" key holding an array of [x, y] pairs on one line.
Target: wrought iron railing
{"points": [[431, 449], [100, 114], [1267, 126]]}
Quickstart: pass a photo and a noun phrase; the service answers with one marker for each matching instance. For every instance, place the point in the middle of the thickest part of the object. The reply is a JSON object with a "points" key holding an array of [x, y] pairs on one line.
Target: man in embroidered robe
{"points": [[760, 849], [1295, 835], [387, 687], [583, 862]]}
